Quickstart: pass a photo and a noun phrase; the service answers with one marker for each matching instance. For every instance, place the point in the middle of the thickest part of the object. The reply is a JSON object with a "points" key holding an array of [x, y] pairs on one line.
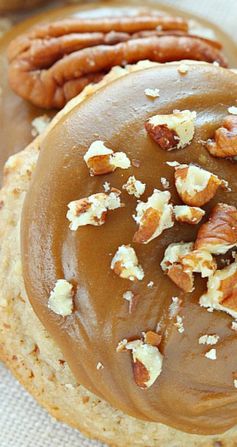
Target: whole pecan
{"points": [[53, 63]]}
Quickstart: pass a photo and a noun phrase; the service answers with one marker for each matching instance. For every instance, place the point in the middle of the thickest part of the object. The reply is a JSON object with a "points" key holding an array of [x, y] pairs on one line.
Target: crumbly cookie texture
{"points": [[34, 358]]}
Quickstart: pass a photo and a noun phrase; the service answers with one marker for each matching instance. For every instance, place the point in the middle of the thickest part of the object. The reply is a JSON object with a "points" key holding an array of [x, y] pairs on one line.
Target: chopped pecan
{"points": [[92, 210], [225, 139], [180, 262], [132, 299], [222, 291], [211, 354], [219, 233], [195, 185], [173, 253], [188, 214], [153, 217], [198, 261], [102, 160], [208, 339], [152, 92], [134, 187], [184, 280], [53, 63], [173, 268], [125, 264], [61, 298], [152, 338], [174, 131], [146, 359]]}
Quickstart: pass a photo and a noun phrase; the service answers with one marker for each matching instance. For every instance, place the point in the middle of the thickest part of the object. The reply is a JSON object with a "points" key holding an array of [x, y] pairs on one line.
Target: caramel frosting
{"points": [[195, 389]]}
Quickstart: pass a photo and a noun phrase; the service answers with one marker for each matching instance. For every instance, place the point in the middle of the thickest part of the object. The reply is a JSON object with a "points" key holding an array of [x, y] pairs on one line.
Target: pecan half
{"points": [[174, 131], [153, 217], [92, 210], [195, 185], [102, 160], [225, 139], [53, 63], [146, 359], [222, 291], [219, 233], [125, 264]]}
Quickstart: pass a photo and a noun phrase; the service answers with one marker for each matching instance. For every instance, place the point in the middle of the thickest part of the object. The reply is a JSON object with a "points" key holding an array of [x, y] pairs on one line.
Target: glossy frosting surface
{"points": [[193, 393]]}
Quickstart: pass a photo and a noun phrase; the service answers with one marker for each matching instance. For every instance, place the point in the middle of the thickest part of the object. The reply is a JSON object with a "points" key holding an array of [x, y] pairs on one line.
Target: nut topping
{"points": [[222, 291], [146, 359], [208, 339], [102, 160], [211, 355], [134, 187], [125, 264], [172, 267], [219, 233], [181, 261], [152, 338], [199, 261], [152, 92], [173, 131], [195, 185], [92, 210], [153, 217], [232, 110], [225, 139], [61, 298], [188, 214]]}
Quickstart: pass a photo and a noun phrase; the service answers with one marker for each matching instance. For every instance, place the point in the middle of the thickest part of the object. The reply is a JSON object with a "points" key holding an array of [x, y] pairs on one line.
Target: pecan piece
{"points": [[52, 63], [146, 359], [174, 131], [225, 139], [92, 210], [125, 264], [184, 280], [173, 268], [102, 160], [222, 291], [134, 187], [195, 185], [61, 298], [219, 233], [180, 262], [153, 217], [199, 261], [188, 214]]}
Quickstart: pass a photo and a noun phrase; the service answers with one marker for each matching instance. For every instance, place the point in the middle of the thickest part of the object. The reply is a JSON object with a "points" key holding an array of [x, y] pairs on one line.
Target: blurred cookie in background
{"points": [[19, 5]]}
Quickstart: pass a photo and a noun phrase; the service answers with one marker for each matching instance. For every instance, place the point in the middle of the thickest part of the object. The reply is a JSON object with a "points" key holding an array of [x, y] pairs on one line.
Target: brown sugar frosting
{"points": [[193, 392]]}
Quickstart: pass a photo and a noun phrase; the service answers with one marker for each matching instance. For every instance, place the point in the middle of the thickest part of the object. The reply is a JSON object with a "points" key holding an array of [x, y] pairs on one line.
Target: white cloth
{"points": [[22, 422]]}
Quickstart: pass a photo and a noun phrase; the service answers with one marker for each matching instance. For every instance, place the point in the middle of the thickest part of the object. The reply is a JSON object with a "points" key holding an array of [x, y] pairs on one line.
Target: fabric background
{"points": [[22, 422]]}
